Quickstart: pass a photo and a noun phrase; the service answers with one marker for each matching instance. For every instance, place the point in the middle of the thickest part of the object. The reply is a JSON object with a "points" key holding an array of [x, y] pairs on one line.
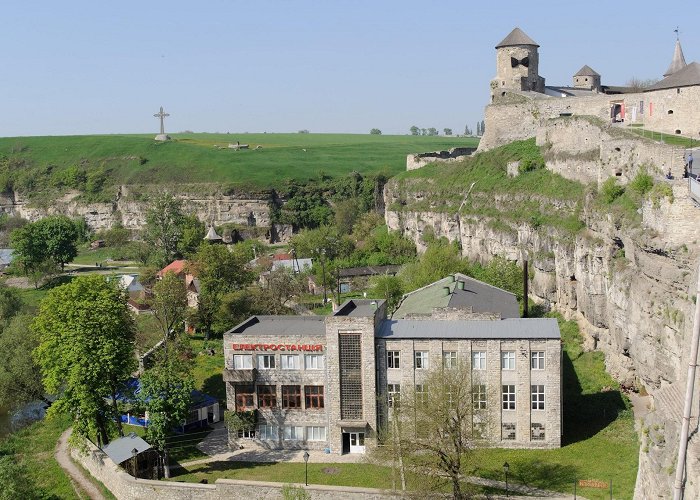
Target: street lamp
{"points": [[323, 271], [135, 452], [506, 468], [306, 467]]}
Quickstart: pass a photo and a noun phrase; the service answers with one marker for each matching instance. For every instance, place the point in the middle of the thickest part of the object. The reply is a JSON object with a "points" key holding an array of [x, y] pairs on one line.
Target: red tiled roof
{"points": [[281, 256], [176, 266]]}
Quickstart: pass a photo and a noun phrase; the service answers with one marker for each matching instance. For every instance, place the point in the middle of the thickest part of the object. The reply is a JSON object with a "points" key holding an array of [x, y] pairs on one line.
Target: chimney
{"points": [[445, 290], [460, 285]]}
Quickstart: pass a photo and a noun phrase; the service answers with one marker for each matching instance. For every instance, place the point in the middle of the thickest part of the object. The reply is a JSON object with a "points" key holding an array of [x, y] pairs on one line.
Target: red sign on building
{"points": [[277, 347]]}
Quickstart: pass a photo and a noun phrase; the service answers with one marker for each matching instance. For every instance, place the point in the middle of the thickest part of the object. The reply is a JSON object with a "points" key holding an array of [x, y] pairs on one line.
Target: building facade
{"points": [[329, 382]]}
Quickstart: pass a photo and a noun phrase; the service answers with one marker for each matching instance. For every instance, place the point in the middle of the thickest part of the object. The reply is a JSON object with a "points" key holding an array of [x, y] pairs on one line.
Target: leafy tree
{"points": [[423, 131], [20, 378], [483, 127], [448, 131], [434, 429], [346, 213], [164, 225], [282, 284], [193, 231], [166, 393], [467, 130], [86, 352], [439, 260], [303, 131], [324, 240], [375, 131], [500, 273], [10, 303], [389, 288], [414, 130], [639, 84], [170, 304], [53, 238]]}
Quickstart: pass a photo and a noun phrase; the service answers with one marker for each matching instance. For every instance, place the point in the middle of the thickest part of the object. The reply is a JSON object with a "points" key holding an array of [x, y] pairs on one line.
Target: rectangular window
{"points": [[537, 397], [449, 359], [478, 360], [245, 397], [421, 393], [393, 359], [246, 433], [268, 432], [290, 361], [350, 357], [479, 396], [293, 432], [291, 396], [509, 397], [393, 394], [313, 396], [537, 432], [266, 361], [422, 360], [267, 396], [537, 360], [315, 433], [313, 361], [242, 361], [508, 431], [508, 360]]}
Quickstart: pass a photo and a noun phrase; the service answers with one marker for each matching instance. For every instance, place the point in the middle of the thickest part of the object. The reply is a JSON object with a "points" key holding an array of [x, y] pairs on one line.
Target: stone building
{"points": [[521, 103], [325, 382]]}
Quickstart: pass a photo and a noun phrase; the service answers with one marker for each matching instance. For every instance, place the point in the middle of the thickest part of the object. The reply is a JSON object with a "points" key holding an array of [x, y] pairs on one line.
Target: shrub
{"points": [[611, 190], [661, 190], [642, 183]]}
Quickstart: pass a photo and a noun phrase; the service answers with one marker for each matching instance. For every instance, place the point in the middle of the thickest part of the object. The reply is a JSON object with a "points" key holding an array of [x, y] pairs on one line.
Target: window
{"points": [[393, 394], [291, 396], [537, 397], [293, 432], [267, 396], [421, 393], [315, 433], [268, 432], [449, 359], [422, 360], [242, 361], [350, 361], [537, 432], [393, 359], [313, 396], [537, 360], [508, 360], [478, 360], [508, 431], [313, 361], [509, 397], [290, 361], [246, 433], [266, 361], [245, 397], [479, 396]]}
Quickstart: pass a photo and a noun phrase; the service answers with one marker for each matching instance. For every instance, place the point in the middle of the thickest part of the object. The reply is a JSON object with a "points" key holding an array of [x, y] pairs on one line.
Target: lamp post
{"points": [[306, 468], [506, 468], [135, 452], [323, 271]]}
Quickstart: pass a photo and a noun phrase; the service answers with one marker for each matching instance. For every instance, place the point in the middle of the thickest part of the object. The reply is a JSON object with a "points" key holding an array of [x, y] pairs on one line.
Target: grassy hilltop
{"points": [[93, 163]]}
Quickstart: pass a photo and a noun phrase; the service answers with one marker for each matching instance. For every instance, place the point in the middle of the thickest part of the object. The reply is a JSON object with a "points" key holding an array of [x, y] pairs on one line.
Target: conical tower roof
{"points": [[678, 61], [517, 37], [211, 235], [586, 71]]}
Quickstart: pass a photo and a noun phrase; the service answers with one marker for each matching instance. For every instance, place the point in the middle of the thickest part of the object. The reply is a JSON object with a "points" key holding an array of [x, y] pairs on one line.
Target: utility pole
{"points": [[692, 366]]}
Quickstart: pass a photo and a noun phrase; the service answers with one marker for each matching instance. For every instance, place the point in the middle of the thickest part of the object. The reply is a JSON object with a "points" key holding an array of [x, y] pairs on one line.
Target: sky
{"points": [[98, 67]]}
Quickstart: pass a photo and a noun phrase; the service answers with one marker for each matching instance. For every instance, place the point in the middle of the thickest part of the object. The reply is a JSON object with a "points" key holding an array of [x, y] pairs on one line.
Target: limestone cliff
{"points": [[629, 284]]}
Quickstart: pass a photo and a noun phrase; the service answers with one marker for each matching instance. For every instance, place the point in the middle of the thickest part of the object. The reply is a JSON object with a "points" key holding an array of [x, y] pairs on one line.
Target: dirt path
{"points": [[77, 475]]}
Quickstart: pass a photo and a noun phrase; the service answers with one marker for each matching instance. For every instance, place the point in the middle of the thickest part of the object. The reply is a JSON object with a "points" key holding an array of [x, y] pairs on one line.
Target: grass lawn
{"points": [[34, 446], [205, 158]]}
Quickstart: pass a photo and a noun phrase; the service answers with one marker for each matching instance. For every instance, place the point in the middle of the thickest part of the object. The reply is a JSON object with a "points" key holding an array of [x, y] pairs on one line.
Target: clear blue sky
{"points": [[87, 67]]}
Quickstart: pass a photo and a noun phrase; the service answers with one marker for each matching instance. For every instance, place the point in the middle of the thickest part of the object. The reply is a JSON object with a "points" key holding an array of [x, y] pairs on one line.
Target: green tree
{"points": [[375, 131], [170, 304], [10, 303], [439, 260], [193, 231], [164, 225], [52, 238], [20, 378], [14, 483], [483, 127], [448, 131], [346, 213], [166, 394], [389, 288], [414, 130], [86, 352], [432, 131]]}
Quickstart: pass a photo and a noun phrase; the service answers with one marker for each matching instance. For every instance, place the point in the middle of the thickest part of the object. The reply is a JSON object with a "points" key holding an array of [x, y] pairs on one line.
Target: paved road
{"points": [[81, 483]]}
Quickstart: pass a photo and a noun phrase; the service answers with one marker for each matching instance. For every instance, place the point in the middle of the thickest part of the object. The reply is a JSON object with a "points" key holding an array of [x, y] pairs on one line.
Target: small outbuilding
{"points": [[134, 455]]}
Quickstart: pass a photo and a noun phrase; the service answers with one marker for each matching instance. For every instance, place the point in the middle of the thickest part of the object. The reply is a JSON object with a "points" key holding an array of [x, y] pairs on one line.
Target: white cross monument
{"points": [[162, 136]]}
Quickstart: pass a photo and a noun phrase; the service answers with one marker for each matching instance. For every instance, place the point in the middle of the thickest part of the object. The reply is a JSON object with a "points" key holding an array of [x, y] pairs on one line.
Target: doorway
{"points": [[357, 442]]}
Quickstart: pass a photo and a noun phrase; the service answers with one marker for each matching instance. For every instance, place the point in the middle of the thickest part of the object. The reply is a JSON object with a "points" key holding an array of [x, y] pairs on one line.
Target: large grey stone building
{"points": [[325, 382]]}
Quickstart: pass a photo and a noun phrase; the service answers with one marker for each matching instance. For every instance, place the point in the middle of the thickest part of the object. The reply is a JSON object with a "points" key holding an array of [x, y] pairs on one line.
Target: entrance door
{"points": [[357, 442]]}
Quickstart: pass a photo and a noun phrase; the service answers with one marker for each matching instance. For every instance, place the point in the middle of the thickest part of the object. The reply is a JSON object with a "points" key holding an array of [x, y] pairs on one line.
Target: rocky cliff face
{"points": [[630, 288], [128, 209]]}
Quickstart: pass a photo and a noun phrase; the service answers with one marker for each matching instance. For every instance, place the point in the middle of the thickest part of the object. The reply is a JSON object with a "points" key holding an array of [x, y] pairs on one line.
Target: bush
{"points": [[610, 190], [642, 183]]}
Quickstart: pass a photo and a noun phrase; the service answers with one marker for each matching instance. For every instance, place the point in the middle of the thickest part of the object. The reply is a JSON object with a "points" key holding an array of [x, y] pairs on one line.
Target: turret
{"points": [[678, 61], [517, 65], [587, 78]]}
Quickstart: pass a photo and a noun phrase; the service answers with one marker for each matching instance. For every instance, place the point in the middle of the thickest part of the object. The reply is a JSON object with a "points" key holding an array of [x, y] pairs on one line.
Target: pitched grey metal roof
{"points": [[119, 450], [212, 235], [586, 71], [678, 61], [514, 328], [517, 37], [686, 77], [477, 295], [359, 308], [281, 325]]}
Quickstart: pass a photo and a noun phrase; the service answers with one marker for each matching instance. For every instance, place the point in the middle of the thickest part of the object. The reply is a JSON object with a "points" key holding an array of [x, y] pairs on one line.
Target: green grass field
{"points": [[205, 158]]}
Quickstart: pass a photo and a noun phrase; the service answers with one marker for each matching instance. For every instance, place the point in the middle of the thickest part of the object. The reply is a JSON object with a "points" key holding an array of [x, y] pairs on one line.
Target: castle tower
{"points": [[517, 65], [587, 78], [678, 61]]}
